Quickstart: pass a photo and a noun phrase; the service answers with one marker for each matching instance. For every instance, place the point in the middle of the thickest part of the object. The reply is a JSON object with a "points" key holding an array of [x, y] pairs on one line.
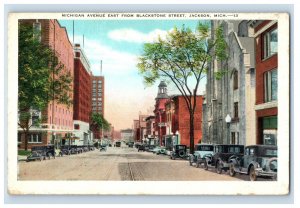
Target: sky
{"points": [[119, 43]]}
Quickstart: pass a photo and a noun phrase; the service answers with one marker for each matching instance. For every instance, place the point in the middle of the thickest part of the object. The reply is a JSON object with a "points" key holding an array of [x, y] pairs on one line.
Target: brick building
{"points": [[59, 117], [180, 121], [82, 97], [136, 130], [265, 33], [150, 130], [160, 113], [98, 98]]}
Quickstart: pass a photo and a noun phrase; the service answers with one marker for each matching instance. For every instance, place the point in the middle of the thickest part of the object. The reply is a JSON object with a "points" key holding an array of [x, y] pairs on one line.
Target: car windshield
{"points": [[270, 152], [204, 148], [180, 147], [235, 150]]}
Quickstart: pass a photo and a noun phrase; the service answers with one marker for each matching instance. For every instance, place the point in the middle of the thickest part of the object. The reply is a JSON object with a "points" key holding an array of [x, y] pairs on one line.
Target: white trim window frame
{"points": [[270, 85], [270, 39], [35, 138]]}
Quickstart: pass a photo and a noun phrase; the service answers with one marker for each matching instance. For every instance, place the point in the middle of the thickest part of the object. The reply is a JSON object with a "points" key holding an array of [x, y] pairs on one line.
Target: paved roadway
{"points": [[116, 164]]}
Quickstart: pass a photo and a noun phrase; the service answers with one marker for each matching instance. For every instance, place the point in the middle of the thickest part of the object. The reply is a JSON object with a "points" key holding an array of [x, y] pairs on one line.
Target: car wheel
{"points": [[252, 175], [231, 170], [190, 161], [205, 165], [219, 168], [197, 164], [49, 156]]}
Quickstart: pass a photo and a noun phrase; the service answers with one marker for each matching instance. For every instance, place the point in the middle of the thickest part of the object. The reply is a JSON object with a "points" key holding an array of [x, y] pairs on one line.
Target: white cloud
{"points": [[113, 62], [135, 36]]}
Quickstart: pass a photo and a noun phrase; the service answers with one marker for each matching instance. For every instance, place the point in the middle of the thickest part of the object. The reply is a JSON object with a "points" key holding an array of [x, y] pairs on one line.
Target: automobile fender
{"points": [[272, 159], [219, 160]]}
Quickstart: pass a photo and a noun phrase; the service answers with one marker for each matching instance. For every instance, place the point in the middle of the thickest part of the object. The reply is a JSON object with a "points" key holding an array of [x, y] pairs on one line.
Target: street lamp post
{"points": [[228, 120]]}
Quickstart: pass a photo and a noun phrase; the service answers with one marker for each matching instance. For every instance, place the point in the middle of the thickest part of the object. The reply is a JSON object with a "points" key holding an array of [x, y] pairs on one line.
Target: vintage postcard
{"points": [[148, 103]]}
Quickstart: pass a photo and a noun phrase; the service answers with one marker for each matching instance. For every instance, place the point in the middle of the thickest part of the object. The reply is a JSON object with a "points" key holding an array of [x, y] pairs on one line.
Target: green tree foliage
{"points": [[183, 58], [99, 122], [41, 78]]}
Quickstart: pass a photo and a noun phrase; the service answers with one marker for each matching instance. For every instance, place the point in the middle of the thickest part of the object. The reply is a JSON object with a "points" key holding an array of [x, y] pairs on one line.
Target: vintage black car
{"points": [[222, 154], [200, 151], [41, 152], [258, 161], [141, 148], [179, 151]]}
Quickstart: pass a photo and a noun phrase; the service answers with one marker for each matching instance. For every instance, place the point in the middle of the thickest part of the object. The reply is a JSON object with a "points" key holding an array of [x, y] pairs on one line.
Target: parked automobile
{"points": [[258, 161], [200, 151], [41, 152], [130, 144], [159, 150], [179, 151], [221, 156], [64, 150], [103, 148], [118, 144], [141, 148]]}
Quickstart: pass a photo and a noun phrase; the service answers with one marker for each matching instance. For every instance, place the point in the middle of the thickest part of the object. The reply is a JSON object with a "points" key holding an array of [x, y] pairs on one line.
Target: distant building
{"points": [[58, 118], [82, 97], [127, 135], [160, 113], [150, 130], [97, 99], [266, 59], [136, 130]]}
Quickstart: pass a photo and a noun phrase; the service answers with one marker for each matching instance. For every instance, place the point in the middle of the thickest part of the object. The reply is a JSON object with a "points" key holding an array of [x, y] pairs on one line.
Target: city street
{"points": [[121, 163]]}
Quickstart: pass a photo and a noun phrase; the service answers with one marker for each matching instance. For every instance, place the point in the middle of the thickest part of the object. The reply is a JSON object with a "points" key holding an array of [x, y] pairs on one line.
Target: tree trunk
{"points": [[27, 135], [192, 133]]}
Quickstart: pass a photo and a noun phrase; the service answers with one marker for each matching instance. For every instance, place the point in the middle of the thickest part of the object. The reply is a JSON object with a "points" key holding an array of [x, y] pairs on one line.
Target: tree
{"points": [[183, 58], [41, 79], [99, 122]]}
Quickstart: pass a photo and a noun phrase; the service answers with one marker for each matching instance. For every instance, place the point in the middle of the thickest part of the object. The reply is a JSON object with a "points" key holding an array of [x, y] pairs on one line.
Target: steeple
{"points": [[162, 90]]}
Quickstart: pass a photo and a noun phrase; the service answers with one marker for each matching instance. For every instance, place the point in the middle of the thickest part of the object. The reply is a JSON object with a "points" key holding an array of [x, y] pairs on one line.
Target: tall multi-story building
{"points": [[58, 117], [160, 113], [265, 33], [228, 108], [82, 97], [98, 98]]}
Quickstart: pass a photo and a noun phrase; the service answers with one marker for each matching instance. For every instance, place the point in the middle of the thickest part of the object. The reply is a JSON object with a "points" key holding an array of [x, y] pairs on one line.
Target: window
{"points": [[94, 90], [270, 43], [270, 84], [232, 137], [19, 137], [99, 90], [94, 81], [35, 138], [235, 80], [100, 98], [236, 110], [99, 82], [76, 126], [99, 94]]}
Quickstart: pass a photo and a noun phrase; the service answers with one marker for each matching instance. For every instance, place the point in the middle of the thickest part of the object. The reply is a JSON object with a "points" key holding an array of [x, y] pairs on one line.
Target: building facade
{"points": [[228, 107], [160, 112], [127, 135], [150, 130], [58, 117], [97, 100], [265, 33], [82, 97], [181, 122]]}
